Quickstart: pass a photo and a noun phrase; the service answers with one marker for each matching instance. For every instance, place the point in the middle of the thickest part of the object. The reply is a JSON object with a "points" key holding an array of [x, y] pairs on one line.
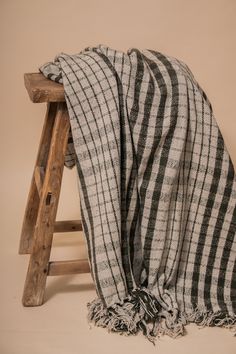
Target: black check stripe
{"points": [[157, 185]]}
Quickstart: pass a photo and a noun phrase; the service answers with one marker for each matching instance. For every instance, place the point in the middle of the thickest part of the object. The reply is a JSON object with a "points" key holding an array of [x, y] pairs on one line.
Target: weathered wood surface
{"points": [[39, 174], [33, 200], [39, 223], [68, 267], [39, 259], [68, 226], [41, 89]]}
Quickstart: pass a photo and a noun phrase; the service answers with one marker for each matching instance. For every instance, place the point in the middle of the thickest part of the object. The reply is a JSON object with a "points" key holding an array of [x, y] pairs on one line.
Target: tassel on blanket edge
{"points": [[141, 311], [203, 318]]}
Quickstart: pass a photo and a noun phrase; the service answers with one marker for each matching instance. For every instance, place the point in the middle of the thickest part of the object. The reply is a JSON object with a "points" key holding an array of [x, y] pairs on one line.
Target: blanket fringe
{"points": [[141, 311]]}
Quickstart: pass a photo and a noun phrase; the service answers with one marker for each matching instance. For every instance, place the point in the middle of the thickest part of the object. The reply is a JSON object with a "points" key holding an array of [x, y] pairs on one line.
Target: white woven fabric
{"points": [[157, 190]]}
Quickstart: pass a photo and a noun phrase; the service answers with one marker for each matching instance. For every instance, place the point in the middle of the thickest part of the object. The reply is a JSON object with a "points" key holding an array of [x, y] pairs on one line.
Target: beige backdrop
{"points": [[201, 33]]}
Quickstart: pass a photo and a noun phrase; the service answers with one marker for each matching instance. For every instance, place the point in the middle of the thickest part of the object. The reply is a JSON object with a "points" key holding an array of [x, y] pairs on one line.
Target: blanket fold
{"points": [[157, 191]]}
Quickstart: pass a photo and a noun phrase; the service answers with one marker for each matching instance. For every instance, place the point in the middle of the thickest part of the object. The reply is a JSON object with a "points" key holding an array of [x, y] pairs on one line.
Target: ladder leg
{"points": [[33, 200], [35, 283]]}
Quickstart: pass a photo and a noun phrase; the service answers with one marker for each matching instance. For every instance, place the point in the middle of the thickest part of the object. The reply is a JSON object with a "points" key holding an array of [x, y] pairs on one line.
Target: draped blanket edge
{"points": [[157, 191]]}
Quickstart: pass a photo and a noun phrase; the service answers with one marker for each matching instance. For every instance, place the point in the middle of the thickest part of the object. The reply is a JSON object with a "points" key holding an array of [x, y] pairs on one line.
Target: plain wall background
{"points": [[201, 33]]}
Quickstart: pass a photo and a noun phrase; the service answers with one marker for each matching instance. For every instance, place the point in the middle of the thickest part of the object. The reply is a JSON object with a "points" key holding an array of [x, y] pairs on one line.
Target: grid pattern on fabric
{"points": [[157, 190]]}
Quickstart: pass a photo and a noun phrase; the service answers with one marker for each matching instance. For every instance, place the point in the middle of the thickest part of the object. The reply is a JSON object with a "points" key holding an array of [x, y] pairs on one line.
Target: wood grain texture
{"points": [[39, 174], [33, 200], [68, 226], [41, 89], [38, 265], [68, 267]]}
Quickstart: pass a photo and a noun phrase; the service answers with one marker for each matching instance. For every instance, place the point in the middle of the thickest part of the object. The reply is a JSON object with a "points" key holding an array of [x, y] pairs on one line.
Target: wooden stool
{"points": [[39, 222]]}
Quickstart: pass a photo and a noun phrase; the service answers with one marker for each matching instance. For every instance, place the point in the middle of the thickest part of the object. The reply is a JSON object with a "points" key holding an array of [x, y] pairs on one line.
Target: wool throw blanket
{"points": [[157, 191]]}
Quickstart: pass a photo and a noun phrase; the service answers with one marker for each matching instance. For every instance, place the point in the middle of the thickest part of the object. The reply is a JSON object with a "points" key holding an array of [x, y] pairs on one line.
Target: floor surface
{"points": [[60, 325]]}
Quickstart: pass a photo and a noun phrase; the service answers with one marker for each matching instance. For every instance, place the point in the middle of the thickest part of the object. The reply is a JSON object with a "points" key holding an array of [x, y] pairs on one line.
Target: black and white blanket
{"points": [[157, 191]]}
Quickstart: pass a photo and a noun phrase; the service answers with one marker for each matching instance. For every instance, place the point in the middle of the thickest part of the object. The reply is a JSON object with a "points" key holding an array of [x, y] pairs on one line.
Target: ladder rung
{"points": [[67, 226], [68, 267]]}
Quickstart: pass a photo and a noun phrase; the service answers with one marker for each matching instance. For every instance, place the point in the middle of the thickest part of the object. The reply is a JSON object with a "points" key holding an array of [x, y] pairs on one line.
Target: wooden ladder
{"points": [[39, 223]]}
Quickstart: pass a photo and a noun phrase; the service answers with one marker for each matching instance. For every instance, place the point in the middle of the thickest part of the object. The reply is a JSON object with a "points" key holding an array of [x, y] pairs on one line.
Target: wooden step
{"points": [[68, 267], [67, 226]]}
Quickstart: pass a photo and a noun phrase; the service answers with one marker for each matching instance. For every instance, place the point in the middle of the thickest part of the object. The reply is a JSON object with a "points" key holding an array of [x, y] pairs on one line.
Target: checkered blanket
{"points": [[157, 191]]}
